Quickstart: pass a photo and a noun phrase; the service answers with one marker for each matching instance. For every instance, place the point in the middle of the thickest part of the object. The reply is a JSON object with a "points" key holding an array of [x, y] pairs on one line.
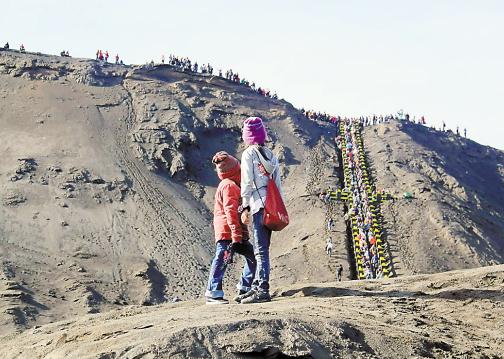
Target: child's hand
{"points": [[245, 218], [228, 257]]}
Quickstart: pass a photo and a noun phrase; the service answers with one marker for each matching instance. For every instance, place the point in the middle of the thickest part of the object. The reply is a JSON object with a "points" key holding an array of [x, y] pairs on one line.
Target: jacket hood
{"points": [[266, 157]]}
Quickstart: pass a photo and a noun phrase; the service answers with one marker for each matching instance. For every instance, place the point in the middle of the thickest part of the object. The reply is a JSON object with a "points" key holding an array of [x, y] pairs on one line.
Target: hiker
{"points": [[231, 236], [117, 59], [162, 59], [329, 246], [330, 224], [458, 133], [339, 272], [6, 46], [106, 56], [258, 165], [465, 132], [22, 48]]}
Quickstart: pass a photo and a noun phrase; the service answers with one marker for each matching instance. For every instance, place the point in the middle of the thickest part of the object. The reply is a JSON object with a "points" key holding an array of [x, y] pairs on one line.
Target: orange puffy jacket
{"points": [[227, 223]]}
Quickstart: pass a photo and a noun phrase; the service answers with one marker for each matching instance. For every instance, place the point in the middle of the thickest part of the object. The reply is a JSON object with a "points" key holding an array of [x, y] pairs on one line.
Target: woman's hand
{"points": [[245, 218]]}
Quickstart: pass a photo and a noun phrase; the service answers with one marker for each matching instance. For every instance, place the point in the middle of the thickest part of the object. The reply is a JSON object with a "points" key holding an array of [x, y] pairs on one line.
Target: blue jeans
{"points": [[214, 287], [262, 238]]}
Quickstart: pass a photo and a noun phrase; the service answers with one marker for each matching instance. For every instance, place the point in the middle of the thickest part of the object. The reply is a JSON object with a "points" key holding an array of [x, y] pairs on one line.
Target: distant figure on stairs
{"points": [[329, 246], [339, 272], [330, 224]]}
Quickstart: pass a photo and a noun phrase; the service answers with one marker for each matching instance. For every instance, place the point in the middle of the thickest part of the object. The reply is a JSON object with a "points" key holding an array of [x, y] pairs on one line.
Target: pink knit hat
{"points": [[253, 131]]}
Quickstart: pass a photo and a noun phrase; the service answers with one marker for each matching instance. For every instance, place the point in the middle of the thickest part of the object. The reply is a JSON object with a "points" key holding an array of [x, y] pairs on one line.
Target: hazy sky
{"points": [[440, 59]]}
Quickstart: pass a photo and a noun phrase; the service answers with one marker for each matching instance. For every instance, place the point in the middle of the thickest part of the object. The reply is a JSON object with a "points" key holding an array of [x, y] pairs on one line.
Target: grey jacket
{"points": [[253, 181]]}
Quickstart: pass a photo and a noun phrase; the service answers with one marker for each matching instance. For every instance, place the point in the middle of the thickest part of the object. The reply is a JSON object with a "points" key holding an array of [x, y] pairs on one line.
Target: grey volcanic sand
{"points": [[106, 191]]}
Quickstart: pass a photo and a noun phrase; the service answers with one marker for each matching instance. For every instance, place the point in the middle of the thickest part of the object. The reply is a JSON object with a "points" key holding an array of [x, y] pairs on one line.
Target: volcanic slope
{"points": [[456, 218], [106, 188], [106, 184]]}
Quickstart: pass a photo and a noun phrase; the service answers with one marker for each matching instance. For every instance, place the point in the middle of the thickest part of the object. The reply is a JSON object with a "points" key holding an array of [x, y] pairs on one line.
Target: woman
{"points": [[258, 164]]}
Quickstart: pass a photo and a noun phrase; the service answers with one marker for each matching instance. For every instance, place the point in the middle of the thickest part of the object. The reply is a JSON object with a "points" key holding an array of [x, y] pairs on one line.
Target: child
{"points": [[230, 234]]}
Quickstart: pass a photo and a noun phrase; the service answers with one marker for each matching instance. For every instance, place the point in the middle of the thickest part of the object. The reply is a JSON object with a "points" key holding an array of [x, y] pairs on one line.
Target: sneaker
{"points": [[242, 295], [220, 300], [257, 297]]}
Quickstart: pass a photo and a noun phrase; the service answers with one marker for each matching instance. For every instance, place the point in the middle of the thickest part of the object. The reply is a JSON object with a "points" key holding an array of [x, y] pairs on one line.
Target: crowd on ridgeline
{"points": [[319, 116], [187, 65], [21, 47], [103, 57], [376, 120]]}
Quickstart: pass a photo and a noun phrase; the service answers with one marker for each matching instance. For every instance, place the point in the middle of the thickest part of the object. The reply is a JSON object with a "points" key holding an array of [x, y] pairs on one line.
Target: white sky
{"points": [[443, 59]]}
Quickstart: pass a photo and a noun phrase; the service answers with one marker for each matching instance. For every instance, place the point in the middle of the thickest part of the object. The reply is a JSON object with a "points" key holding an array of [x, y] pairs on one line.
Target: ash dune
{"points": [[106, 191], [457, 217], [106, 184]]}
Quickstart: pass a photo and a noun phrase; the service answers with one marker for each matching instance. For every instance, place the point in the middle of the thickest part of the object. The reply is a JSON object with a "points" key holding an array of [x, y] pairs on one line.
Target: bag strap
{"points": [[253, 179]]}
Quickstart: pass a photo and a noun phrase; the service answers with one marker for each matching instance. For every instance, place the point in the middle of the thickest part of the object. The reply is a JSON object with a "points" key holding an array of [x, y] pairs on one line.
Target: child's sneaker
{"points": [[243, 294], [220, 300], [257, 297]]}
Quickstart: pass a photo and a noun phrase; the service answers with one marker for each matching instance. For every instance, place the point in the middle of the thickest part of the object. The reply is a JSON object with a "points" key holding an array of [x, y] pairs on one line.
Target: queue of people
{"points": [[363, 214]]}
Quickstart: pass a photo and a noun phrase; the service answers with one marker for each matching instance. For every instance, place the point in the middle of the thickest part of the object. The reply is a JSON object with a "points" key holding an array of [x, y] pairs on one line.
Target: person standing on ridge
{"points": [[106, 56], [259, 164], [117, 59], [230, 234], [465, 132]]}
